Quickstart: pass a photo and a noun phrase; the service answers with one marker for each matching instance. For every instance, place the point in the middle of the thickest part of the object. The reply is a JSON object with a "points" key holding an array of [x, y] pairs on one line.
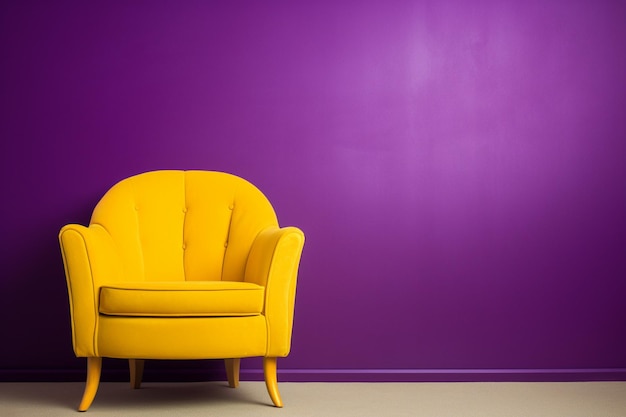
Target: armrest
{"points": [[90, 258], [273, 263]]}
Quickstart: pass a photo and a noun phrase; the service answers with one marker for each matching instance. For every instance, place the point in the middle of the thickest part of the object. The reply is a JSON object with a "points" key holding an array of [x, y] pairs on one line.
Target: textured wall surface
{"points": [[459, 167]]}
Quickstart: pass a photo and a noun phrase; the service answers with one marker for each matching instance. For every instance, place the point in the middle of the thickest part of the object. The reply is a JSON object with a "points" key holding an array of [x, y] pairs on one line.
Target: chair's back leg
{"points": [[94, 368], [136, 372], [232, 371]]}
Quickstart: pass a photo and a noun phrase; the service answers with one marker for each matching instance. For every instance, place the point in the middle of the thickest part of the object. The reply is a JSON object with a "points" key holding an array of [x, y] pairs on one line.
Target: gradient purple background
{"points": [[458, 167]]}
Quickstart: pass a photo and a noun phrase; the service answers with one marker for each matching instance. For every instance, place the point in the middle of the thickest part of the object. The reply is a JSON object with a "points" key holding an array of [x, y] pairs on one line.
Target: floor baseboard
{"points": [[329, 375], [451, 375]]}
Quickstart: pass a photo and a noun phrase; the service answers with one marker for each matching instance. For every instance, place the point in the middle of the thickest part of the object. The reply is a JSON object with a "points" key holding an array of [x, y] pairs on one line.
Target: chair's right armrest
{"points": [[273, 263], [90, 259]]}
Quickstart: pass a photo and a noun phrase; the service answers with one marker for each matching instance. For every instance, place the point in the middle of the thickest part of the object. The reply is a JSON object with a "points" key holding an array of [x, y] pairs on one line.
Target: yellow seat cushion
{"points": [[182, 299]]}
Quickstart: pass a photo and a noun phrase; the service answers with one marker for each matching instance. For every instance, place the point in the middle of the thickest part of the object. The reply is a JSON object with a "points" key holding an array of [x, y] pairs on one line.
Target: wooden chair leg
{"points": [[232, 371], [271, 382], [136, 372], [94, 368]]}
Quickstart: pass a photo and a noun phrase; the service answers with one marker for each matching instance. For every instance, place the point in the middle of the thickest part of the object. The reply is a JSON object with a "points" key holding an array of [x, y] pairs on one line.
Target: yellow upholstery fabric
{"points": [[178, 299], [182, 265], [183, 225], [187, 337]]}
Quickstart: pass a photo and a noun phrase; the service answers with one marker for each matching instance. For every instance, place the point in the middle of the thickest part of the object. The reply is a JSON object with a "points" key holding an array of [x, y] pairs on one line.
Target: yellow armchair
{"points": [[181, 265]]}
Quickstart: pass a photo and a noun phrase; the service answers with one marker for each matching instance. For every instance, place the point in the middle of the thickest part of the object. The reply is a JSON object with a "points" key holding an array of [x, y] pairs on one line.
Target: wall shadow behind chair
{"points": [[181, 265]]}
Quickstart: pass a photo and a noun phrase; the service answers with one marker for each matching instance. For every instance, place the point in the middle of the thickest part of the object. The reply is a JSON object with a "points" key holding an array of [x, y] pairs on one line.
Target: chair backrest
{"points": [[184, 225]]}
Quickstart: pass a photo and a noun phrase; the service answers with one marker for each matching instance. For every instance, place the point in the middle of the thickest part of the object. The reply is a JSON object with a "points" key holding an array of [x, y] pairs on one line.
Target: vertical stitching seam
{"points": [[230, 224], [136, 208], [184, 242]]}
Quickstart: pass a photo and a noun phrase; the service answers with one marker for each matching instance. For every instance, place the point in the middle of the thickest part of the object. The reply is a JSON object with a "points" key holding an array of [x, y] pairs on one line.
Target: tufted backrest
{"points": [[183, 225]]}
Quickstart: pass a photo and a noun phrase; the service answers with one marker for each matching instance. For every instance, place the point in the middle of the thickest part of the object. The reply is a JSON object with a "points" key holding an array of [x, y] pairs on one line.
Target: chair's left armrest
{"points": [[273, 263], [90, 259]]}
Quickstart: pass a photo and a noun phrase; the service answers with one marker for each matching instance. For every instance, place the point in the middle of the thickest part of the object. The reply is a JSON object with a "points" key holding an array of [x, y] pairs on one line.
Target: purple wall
{"points": [[459, 168]]}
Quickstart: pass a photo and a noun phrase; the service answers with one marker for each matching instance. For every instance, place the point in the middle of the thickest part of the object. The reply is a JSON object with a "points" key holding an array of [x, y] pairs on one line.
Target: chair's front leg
{"points": [[271, 381], [136, 372], [94, 368]]}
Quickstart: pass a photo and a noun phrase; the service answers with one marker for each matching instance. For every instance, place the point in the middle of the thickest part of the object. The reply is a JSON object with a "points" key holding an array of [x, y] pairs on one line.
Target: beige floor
{"points": [[588, 399]]}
